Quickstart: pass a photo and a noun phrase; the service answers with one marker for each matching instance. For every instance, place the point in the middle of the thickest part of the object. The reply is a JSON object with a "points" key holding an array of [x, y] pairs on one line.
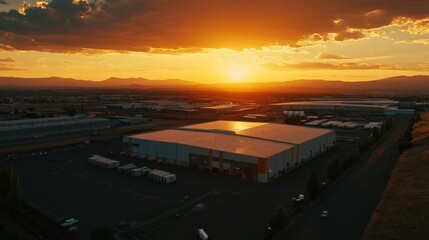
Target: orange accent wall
{"points": [[262, 165]]}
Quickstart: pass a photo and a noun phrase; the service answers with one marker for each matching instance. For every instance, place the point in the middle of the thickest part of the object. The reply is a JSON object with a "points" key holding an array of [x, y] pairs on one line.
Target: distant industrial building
{"points": [[330, 107], [36, 128], [257, 151], [399, 111], [223, 108]]}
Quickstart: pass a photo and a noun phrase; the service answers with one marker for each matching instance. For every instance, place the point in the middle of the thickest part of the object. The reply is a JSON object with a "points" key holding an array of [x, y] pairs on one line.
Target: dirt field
{"points": [[403, 211]]}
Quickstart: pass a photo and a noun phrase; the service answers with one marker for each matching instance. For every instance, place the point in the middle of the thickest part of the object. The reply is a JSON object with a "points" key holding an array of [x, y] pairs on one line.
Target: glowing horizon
{"points": [[209, 44]]}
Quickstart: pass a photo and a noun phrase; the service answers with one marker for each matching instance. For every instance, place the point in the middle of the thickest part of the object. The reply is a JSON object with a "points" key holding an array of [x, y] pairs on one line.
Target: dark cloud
{"points": [[144, 25], [346, 35]]}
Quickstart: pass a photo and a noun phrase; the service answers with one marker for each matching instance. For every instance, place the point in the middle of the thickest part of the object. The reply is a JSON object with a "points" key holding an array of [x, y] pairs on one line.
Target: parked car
{"points": [[73, 229], [324, 214], [298, 199], [69, 222]]}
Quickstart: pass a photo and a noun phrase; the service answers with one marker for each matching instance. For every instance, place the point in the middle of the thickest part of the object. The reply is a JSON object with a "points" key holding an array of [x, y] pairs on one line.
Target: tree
{"points": [[278, 219], [388, 123], [313, 186], [104, 233], [10, 189], [363, 146], [333, 168], [375, 134]]}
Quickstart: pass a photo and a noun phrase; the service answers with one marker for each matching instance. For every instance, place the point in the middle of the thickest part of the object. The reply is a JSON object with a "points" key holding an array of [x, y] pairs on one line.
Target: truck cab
{"points": [[202, 235]]}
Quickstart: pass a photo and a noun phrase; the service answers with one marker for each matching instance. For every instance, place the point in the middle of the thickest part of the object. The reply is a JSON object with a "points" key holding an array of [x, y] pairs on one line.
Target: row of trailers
{"points": [[154, 174], [133, 170]]}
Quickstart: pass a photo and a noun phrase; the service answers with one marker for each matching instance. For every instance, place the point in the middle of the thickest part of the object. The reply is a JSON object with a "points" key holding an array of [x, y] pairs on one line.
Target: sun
{"points": [[237, 72]]}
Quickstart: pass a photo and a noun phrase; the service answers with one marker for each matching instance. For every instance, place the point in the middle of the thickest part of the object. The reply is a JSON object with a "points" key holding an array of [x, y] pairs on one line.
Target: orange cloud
{"points": [[331, 56], [145, 25], [7, 60], [331, 66]]}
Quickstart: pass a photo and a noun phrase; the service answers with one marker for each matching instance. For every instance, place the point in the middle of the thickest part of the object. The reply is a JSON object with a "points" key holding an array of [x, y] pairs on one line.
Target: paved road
{"points": [[354, 199]]}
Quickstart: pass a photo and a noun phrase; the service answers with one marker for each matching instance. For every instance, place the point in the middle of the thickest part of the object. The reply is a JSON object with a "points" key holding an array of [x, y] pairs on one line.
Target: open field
{"points": [[403, 211]]}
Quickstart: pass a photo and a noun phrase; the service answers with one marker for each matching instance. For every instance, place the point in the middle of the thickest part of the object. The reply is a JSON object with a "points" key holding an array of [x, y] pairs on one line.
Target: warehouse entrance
{"points": [[246, 171], [200, 162]]}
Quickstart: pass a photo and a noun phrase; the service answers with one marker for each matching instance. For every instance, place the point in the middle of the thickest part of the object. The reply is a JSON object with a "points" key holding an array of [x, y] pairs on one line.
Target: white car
{"points": [[69, 222], [324, 214], [73, 229]]}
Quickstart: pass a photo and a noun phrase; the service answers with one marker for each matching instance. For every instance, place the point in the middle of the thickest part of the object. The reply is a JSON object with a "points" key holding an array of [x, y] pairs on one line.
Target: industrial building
{"points": [[332, 107], [223, 108], [41, 127], [254, 150]]}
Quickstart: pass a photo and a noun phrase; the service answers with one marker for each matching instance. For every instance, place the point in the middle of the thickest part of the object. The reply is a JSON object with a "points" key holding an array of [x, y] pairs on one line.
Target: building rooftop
{"points": [[218, 107], [222, 126], [329, 103], [103, 159], [284, 133], [45, 122], [268, 131], [218, 141]]}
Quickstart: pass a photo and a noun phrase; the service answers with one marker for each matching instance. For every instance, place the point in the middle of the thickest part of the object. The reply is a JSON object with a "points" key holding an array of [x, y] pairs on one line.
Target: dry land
{"points": [[403, 211]]}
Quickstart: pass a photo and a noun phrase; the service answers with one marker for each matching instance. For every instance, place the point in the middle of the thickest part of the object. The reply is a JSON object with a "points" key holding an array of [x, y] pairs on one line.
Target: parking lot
{"points": [[61, 185]]}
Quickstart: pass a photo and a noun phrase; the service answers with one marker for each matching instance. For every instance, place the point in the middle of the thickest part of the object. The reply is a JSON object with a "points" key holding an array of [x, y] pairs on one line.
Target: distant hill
{"points": [[418, 84], [12, 82], [113, 82], [393, 84]]}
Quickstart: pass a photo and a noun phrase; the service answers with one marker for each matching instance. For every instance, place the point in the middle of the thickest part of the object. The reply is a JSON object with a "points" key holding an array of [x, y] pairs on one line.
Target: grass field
{"points": [[403, 211]]}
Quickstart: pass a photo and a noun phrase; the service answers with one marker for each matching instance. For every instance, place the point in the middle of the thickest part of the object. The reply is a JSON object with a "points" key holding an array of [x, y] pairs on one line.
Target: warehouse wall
{"points": [[240, 158], [316, 146], [279, 162]]}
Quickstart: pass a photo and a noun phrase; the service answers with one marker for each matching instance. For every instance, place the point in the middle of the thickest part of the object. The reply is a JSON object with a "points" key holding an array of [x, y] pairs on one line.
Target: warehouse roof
{"points": [[227, 126], [268, 131], [102, 159], [218, 107], [284, 133], [217, 141]]}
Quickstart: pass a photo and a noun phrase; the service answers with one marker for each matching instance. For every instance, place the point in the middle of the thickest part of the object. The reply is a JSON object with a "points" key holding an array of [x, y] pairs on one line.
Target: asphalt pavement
{"points": [[352, 201]]}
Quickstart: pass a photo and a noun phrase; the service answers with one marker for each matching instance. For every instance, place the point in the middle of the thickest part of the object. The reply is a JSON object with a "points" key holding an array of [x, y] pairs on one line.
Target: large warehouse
{"points": [[257, 151]]}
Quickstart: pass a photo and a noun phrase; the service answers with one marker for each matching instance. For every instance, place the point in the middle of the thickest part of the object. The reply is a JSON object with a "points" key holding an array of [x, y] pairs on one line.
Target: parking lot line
{"points": [[145, 196]]}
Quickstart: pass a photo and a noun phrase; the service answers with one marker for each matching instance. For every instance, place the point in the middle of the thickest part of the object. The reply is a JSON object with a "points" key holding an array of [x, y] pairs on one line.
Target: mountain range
{"points": [[419, 83]]}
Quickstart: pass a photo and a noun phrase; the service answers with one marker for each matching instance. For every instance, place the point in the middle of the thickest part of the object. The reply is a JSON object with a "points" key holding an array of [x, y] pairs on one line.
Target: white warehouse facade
{"points": [[256, 151]]}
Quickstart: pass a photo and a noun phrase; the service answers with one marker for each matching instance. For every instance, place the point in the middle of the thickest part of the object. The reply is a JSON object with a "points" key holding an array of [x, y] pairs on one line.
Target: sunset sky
{"points": [[215, 40]]}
